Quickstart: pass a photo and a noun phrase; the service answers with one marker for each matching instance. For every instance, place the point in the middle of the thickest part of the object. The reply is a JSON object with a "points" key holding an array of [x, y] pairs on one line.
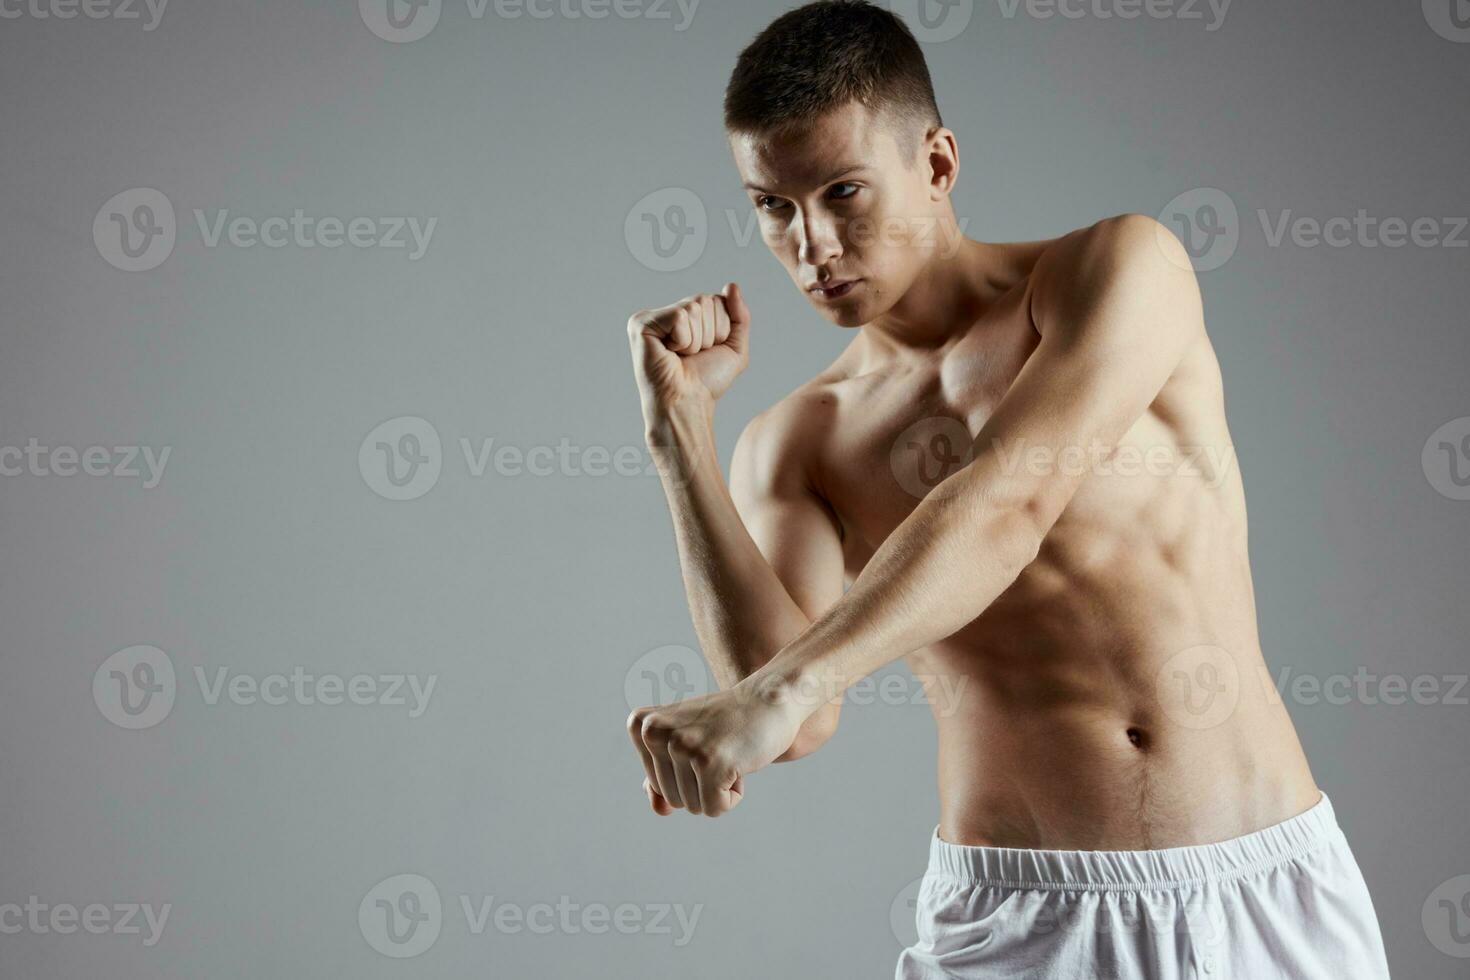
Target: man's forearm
{"points": [[742, 613], [939, 569]]}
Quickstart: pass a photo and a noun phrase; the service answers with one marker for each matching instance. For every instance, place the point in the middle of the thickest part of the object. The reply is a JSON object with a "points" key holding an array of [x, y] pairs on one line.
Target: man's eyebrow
{"points": [[844, 170]]}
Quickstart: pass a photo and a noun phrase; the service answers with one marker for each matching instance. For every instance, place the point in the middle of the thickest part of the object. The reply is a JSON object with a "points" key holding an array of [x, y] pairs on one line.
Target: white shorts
{"points": [[1286, 902]]}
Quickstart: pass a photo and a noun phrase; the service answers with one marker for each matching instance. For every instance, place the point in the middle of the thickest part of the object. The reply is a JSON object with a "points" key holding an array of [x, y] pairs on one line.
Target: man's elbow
{"points": [[814, 732], [1033, 521], [1009, 529]]}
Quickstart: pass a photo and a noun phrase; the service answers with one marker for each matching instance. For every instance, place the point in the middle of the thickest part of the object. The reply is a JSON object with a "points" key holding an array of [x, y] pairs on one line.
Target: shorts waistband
{"points": [[1137, 870]]}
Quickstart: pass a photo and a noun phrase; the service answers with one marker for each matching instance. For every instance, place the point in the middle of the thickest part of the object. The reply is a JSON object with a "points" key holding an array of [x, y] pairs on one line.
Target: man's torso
{"points": [[1113, 696]]}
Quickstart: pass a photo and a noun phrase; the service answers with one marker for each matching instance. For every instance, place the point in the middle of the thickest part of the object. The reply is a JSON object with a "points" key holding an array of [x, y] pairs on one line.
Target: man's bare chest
{"points": [[902, 431]]}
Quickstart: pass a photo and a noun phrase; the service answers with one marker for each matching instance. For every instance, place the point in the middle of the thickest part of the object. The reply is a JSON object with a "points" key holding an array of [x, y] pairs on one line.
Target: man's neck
{"points": [[947, 297]]}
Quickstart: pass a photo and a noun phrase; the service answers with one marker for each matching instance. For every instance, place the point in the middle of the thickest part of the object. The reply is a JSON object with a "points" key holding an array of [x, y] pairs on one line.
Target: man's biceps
{"points": [[1072, 398], [805, 551], [795, 528]]}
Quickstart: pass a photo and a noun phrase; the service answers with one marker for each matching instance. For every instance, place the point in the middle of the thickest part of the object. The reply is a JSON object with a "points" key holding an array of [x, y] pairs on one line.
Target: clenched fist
{"points": [[690, 351], [696, 753]]}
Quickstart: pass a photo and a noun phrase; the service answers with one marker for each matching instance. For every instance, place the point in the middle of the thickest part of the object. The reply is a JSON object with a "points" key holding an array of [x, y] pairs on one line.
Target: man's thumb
{"points": [[738, 311], [735, 303]]}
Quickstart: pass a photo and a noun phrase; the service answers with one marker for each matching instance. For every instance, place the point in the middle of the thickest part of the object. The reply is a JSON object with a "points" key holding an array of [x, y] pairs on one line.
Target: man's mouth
{"points": [[835, 289]]}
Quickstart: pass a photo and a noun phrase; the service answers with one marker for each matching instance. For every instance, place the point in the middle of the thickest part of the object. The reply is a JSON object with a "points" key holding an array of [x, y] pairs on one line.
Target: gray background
{"points": [[530, 597]]}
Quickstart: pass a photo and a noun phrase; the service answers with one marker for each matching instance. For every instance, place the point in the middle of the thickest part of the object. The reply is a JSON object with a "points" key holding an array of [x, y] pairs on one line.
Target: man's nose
{"points": [[820, 243]]}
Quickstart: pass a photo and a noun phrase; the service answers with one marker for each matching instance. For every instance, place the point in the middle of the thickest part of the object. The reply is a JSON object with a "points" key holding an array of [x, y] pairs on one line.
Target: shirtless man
{"points": [[1085, 610]]}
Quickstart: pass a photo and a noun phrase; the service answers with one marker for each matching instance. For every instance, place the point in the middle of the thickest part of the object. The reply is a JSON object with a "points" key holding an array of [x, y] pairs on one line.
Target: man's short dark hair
{"points": [[820, 57]]}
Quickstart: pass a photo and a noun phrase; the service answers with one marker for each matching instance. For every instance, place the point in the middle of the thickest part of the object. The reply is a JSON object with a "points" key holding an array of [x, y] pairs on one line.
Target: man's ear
{"points": [[942, 155]]}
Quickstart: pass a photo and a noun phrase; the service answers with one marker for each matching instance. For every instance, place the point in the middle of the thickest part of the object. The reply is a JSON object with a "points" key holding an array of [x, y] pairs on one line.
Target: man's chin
{"points": [[848, 318], [853, 314]]}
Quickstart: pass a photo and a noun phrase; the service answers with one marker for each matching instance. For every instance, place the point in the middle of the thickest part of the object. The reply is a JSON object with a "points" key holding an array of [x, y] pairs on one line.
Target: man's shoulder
{"points": [[1123, 240], [1127, 254], [795, 421], [783, 443]]}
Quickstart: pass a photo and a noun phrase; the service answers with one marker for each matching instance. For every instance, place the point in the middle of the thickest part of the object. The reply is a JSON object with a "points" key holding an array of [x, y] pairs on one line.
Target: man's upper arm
{"points": [[1117, 305], [789, 521]]}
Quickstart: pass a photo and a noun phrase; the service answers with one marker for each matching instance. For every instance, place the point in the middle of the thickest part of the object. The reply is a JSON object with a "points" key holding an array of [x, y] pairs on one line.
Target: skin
{"points": [[1053, 610]]}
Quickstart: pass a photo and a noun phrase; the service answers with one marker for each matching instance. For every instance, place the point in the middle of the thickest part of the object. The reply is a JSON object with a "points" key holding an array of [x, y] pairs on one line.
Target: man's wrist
{"points": [[680, 440], [688, 418], [797, 680]]}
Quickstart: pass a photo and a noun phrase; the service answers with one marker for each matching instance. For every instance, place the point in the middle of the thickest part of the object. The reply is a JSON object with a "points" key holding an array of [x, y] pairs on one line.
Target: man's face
{"points": [[846, 207]]}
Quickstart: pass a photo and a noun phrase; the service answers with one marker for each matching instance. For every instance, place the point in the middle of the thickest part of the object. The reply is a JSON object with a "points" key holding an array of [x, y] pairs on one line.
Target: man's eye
{"points": [[768, 203], [842, 191]]}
